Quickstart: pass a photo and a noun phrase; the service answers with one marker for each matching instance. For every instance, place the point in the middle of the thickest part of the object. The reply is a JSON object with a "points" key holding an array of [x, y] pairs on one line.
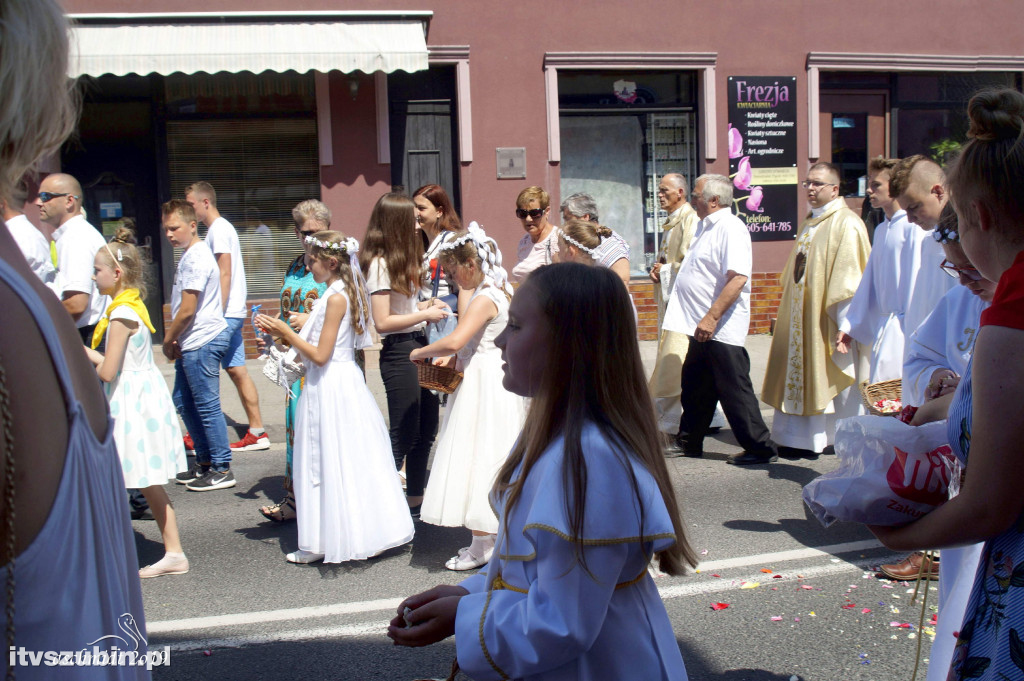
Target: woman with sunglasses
{"points": [[539, 245], [298, 294]]}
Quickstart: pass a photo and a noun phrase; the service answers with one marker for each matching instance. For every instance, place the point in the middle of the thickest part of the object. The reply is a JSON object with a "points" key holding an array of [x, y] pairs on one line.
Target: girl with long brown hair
{"points": [[391, 261], [585, 503]]}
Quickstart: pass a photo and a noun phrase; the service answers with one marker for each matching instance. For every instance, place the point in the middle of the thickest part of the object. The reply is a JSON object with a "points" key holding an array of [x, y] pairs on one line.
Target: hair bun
{"points": [[602, 231], [124, 235], [996, 115]]}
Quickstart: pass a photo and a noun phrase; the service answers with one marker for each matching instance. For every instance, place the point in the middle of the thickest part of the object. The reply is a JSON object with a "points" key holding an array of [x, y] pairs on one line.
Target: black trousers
{"points": [[719, 372], [412, 410]]}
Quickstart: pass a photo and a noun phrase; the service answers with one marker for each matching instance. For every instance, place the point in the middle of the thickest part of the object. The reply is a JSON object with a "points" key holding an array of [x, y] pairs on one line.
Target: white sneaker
{"points": [[302, 557]]}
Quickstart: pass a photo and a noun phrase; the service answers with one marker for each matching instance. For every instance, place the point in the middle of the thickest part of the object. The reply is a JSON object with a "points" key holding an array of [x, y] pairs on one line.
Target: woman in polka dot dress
{"points": [[145, 424]]}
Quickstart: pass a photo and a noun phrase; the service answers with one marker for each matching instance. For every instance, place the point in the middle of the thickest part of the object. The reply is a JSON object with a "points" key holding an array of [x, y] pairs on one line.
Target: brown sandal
{"points": [[280, 513]]}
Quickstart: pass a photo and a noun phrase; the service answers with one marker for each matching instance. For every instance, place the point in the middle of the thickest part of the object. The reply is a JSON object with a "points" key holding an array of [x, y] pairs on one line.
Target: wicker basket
{"points": [[441, 379], [883, 390]]}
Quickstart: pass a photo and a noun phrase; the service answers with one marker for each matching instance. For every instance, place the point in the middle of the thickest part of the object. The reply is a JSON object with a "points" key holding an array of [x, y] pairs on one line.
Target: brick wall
{"points": [[765, 294], [642, 291]]}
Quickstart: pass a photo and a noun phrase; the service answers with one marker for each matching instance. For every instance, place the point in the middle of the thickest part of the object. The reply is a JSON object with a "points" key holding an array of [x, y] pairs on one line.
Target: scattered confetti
{"points": [[767, 570], [714, 575], [704, 552], [806, 586], [750, 585], [901, 625], [776, 576], [812, 613], [849, 606], [776, 618], [865, 611], [887, 586], [796, 619], [207, 653], [719, 606]]}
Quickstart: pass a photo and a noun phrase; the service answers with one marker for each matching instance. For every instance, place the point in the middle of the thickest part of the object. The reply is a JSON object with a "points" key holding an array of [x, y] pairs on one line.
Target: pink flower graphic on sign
{"points": [[735, 142], [741, 180], [754, 200]]}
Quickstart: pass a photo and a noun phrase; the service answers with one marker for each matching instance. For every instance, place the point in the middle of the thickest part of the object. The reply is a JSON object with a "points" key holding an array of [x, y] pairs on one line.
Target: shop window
{"points": [[620, 131], [261, 168]]}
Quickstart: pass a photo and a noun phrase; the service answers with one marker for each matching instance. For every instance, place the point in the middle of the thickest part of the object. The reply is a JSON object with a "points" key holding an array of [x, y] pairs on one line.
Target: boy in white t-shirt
{"points": [[222, 240], [197, 340]]}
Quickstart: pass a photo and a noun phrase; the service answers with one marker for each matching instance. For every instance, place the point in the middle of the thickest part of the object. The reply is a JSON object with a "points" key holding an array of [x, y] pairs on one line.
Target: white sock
{"points": [[257, 431], [481, 545]]}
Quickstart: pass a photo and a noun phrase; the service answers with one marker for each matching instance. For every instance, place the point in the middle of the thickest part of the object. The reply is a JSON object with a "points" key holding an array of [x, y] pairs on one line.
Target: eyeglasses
{"points": [[47, 196], [815, 185], [534, 213], [954, 271]]}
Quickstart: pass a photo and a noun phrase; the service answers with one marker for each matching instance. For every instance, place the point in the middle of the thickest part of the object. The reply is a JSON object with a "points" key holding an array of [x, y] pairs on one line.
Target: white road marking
{"points": [[388, 605]]}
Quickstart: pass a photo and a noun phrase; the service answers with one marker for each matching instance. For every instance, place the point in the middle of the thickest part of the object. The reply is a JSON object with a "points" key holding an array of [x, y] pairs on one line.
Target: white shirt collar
{"points": [[59, 232], [818, 212]]}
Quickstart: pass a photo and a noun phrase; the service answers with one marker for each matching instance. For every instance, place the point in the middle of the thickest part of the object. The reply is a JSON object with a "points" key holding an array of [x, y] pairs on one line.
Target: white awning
{"points": [[180, 47]]}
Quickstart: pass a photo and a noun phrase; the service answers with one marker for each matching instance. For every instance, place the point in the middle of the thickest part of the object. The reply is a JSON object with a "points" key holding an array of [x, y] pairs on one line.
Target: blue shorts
{"points": [[235, 356]]}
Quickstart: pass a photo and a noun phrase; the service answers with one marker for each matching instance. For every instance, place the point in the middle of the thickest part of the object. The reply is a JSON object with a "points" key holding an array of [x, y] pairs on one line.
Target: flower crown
{"points": [[347, 246], [946, 234], [490, 261], [592, 252]]}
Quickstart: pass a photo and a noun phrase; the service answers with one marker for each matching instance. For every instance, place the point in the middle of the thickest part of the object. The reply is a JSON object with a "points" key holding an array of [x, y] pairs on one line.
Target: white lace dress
{"points": [[480, 426], [348, 498]]}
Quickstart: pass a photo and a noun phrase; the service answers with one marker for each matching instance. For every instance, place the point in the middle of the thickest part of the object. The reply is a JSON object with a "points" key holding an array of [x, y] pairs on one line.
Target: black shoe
{"points": [[676, 447], [752, 458], [694, 453], [414, 511], [791, 452], [713, 429], [195, 472]]}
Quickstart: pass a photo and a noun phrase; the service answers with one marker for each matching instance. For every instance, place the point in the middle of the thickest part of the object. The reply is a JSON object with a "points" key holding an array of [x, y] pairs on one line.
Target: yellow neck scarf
{"points": [[129, 297]]}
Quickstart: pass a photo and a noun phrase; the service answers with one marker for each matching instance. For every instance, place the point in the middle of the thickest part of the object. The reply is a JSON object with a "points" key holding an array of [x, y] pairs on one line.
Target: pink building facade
{"points": [[278, 102]]}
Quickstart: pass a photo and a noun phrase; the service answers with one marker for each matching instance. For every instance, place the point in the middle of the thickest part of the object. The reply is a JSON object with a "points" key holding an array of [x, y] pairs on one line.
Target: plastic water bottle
{"points": [[260, 333]]}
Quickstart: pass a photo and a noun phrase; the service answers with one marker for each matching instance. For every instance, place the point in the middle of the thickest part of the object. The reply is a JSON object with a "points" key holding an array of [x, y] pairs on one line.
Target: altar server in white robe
{"points": [[875, 317]]}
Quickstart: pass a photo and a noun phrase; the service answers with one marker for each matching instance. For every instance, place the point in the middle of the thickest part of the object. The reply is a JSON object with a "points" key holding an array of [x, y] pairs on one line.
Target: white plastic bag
{"points": [[889, 473]]}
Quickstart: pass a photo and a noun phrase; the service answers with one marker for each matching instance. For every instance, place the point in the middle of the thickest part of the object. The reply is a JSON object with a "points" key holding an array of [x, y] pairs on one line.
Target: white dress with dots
{"points": [[145, 422]]}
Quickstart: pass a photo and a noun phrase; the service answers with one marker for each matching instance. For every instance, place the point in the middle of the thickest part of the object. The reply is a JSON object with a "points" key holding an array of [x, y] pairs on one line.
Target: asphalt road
{"points": [[803, 601]]}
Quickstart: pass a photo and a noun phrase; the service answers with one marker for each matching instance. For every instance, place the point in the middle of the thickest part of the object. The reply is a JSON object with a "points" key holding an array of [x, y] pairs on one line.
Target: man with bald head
{"points": [[60, 206], [807, 380]]}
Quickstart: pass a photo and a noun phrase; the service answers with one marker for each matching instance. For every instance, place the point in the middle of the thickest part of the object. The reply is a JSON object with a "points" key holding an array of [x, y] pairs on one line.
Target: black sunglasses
{"points": [[534, 213], [46, 196]]}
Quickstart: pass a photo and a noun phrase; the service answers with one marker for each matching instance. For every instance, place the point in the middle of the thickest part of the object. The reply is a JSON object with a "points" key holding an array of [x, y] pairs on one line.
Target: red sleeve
{"points": [[1007, 308]]}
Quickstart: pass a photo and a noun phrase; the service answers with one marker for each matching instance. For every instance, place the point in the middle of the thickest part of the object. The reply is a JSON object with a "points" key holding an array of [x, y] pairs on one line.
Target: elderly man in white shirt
{"points": [[33, 244], [710, 303], [60, 206]]}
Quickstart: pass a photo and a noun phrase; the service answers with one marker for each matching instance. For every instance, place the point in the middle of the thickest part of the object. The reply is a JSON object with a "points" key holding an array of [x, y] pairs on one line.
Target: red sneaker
{"points": [[251, 443], [189, 445]]}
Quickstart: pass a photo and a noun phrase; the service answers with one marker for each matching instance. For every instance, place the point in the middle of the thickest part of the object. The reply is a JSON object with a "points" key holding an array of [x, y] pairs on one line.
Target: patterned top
{"points": [[990, 644], [300, 291]]}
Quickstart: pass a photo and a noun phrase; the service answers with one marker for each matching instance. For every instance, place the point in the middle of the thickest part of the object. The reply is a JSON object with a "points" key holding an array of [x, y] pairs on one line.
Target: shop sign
{"points": [[762, 155]]}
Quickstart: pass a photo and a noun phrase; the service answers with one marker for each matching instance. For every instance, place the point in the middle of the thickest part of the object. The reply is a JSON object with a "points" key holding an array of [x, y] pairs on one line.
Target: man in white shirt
{"points": [[710, 303], [60, 206], [222, 239], [33, 244], [197, 340]]}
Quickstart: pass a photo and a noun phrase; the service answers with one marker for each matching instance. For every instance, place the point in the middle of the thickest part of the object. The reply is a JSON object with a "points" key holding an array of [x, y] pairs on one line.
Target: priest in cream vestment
{"points": [[807, 381]]}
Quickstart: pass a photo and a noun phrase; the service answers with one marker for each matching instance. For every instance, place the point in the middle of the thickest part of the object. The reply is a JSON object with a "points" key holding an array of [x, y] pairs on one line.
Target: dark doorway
{"points": [[422, 110], [114, 158]]}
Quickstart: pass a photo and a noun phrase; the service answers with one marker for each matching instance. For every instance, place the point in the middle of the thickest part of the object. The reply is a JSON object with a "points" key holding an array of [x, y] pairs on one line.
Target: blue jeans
{"points": [[197, 399]]}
